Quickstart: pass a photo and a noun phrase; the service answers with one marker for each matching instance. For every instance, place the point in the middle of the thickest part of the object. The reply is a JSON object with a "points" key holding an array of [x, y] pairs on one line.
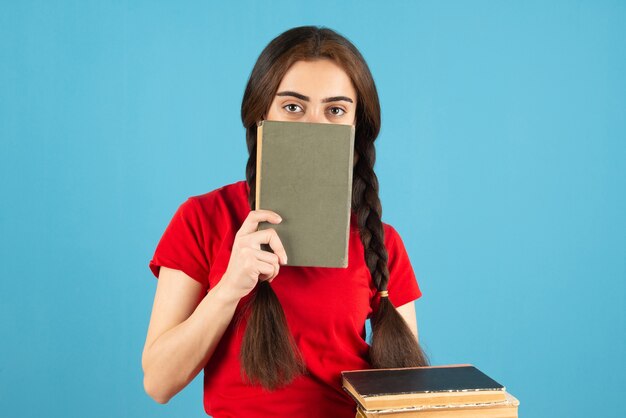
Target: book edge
{"points": [[343, 373], [259, 150], [510, 402]]}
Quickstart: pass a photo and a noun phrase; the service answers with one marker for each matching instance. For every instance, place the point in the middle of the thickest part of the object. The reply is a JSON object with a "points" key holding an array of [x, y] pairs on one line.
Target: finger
{"points": [[265, 256], [266, 271], [269, 236], [251, 223], [277, 266]]}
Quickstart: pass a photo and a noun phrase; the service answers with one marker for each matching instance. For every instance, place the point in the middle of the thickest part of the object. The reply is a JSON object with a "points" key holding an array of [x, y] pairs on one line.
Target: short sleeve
{"points": [[402, 286], [182, 245]]}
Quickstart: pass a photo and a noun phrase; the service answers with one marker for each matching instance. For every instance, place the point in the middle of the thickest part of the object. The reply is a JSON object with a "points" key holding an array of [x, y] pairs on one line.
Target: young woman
{"points": [[278, 349]]}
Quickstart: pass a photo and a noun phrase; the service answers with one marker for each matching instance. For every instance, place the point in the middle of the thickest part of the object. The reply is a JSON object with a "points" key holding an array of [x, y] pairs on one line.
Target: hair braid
{"points": [[269, 355], [392, 344]]}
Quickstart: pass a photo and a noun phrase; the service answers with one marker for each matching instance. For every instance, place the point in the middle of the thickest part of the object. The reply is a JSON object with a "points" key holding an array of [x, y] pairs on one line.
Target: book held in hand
{"points": [[304, 173]]}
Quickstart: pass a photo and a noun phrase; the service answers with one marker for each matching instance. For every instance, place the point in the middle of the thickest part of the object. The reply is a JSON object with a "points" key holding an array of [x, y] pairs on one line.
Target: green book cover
{"points": [[304, 173]]}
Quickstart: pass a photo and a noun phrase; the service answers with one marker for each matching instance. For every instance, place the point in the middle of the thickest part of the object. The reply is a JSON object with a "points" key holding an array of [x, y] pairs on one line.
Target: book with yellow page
{"points": [[304, 173], [500, 409]]}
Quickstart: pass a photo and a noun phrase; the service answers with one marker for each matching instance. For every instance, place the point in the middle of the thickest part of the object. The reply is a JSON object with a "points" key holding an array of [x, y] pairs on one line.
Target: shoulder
{"points": [[230, 197], [227, 192], [221, 207], [391, 234]]}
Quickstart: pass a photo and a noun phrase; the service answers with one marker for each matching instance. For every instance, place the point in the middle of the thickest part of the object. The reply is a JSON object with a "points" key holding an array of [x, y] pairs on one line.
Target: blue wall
{"points": [[501, 163]]}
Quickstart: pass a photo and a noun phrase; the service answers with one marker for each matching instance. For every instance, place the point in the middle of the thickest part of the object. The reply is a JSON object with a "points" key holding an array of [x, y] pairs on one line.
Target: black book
{"points": [[419, 386]]}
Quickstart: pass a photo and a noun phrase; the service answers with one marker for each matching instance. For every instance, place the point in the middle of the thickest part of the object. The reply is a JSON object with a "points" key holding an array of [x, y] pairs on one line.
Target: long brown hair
{"points": [[269, 355]]}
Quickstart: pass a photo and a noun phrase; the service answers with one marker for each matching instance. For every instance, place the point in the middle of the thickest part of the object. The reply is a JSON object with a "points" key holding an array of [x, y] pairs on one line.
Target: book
{"points": [[304, 173], [501, 409], [462, 384]]}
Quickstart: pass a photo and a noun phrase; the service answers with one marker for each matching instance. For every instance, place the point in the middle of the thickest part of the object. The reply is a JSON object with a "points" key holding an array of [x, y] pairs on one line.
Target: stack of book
{"points": [[453, 391]]}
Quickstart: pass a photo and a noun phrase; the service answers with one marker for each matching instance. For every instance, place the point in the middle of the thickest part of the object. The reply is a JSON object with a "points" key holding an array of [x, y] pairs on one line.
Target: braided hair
{"points": [[269, 355]]}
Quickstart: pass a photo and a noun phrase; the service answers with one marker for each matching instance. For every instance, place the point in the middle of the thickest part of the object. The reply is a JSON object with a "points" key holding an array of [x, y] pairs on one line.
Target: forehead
{"points": [[317, 79]]}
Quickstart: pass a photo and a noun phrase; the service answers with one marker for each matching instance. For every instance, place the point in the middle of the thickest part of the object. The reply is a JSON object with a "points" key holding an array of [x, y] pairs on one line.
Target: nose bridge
{"points": [[315, 113]]}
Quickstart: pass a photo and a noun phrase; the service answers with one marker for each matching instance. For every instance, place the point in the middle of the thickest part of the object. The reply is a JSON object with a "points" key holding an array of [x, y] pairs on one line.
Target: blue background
{"points": [[501, 164]]}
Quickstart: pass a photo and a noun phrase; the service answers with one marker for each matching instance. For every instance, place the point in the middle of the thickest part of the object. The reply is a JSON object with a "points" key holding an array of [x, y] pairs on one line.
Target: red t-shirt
{"points": [[326, 309]]}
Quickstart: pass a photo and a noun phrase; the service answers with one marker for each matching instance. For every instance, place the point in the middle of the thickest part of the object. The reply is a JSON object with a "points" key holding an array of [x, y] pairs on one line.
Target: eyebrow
{"points": [[307, 98]]}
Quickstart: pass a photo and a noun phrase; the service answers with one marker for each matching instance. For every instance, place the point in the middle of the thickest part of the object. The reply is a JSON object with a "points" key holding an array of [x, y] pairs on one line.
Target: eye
{"points": [[292, 108], [336, 111]]}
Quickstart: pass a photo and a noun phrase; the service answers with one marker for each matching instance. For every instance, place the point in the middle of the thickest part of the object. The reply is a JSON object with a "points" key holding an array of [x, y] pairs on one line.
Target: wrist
{"points": [[225, 293]]}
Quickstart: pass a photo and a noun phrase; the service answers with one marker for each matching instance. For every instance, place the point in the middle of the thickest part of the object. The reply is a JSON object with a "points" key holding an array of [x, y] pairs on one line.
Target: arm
{"points": [[407, 311], [186, 326], [180, 339]]}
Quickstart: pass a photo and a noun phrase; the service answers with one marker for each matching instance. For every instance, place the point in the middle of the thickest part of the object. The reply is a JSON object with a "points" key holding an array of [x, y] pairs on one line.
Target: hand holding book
{"points": [[248, 263]]}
